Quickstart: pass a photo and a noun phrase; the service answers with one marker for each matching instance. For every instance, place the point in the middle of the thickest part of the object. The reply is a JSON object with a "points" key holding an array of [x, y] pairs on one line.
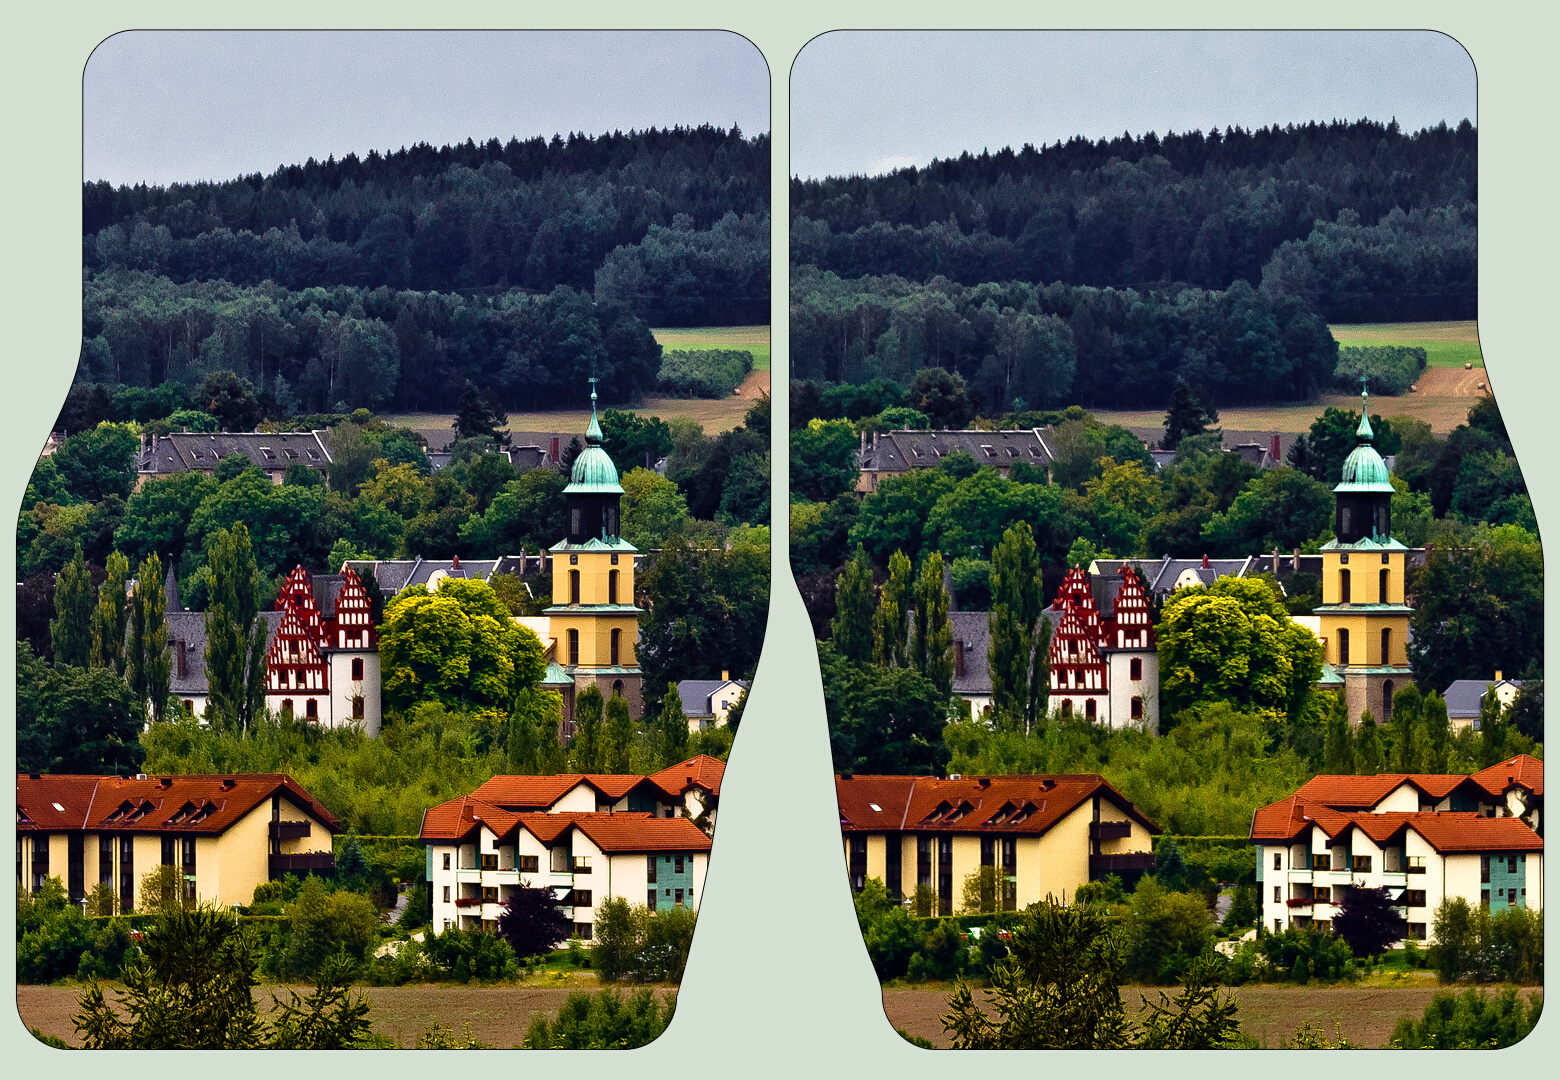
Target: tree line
{"points": [[531, 215], [1362, 220]]}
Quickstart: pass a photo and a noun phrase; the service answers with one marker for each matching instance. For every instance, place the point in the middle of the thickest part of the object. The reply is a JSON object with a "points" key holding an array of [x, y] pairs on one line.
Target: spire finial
{"points": [[593, 434], [1363, 433]]}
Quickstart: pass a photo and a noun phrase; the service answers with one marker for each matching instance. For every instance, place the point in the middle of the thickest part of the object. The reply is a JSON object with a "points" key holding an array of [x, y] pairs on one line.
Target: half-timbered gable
{"points": [[298, 594], [351, 626], [294, 662]]}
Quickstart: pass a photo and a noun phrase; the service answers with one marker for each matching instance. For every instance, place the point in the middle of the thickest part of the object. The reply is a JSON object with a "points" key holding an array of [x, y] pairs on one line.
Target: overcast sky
{"points": [[869, 102], [162, 106]]}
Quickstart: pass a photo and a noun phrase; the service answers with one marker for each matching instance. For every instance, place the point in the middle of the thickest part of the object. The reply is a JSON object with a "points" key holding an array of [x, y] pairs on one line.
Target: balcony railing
{"points": [[310, 860], [1300, 901], [1109, 830], [289, 830], [468, 901], [1099, 865]]}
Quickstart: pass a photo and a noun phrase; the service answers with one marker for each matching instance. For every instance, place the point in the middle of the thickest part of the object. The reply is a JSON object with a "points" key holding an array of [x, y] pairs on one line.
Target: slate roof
{"points": [[974, 629], [1028, 805], [1464, 695], [190, 627], [701, 692], [68, 803], [269, 451], [900, 451], [393, 575]]}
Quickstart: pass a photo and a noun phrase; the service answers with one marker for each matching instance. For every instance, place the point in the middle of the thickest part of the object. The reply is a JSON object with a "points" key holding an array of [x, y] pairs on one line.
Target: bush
{"points": [[463, 955], [1301, 955], [633, 944], [51, 934], [944, 953], [704, 373], [889, 932], [1472, 943], [607, 1020], [1469, 1021], [324, 922], [1388, 369], [1166, 931]]}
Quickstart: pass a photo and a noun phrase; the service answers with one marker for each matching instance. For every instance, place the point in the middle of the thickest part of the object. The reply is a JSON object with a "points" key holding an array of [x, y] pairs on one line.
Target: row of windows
{"points": [[1091, 711], [574, 646], [1345, 587], [612, 586]]}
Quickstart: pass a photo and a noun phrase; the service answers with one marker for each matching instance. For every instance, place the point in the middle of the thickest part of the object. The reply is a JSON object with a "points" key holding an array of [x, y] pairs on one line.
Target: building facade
{"points": [[1104, 668], [226, 834], [1033, 836]]}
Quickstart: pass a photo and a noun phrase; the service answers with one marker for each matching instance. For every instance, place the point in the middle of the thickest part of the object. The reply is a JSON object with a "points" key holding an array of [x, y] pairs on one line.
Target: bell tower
{"points": [[593, 618], [1364, 611]]}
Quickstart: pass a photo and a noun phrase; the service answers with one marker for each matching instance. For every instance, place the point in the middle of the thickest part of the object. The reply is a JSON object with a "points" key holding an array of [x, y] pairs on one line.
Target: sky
{"points": [[164, 106], [870, 102]]}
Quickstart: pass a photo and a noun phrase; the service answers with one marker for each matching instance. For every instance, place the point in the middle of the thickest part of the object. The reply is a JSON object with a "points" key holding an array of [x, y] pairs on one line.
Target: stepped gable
{"points": [[295, 650], [298, 594], [351, 625], [1131, 622]]}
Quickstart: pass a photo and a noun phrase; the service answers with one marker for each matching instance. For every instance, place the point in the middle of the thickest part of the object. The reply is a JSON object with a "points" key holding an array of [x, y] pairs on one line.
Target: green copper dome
{"points": [[1363, 469], [593, 472]]}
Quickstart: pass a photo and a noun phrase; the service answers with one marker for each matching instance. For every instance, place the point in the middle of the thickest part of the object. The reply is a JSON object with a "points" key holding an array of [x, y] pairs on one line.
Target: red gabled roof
{"points": [[1364, 792], [1475, 832], [205, 805], [973, 804], [1446, 832], [699, 771], [1524, 770], [626, 834], [1287, 818]]}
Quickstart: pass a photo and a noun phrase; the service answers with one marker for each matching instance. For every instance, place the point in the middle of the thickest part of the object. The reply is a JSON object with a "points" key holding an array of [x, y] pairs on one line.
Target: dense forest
{"points": [[387, 281], [1098, 272]]}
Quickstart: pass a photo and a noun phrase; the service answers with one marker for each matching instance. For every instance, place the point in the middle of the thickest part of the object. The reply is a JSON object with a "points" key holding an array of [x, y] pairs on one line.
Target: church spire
{"points": [[1363, 435], [593, 436]]}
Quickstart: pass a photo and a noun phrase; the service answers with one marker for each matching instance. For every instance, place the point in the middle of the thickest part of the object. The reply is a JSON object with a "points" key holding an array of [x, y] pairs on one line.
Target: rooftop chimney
{"points": [[1205, 562], [553, 456], [1497, 676], [725, 676], [455, 563], [1273, 448]]}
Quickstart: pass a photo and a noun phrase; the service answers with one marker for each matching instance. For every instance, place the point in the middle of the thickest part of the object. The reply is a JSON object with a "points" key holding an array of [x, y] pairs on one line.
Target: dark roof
{"points": [[1464, 695], [270, 451], [701, 693], [393, 575], [974, 629], [971, 804], [899, 451], [98, 803], [190, 627]]}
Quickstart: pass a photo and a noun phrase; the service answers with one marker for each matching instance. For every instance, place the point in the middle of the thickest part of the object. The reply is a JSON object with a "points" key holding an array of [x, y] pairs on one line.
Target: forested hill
{"points": [[390, 280], [1362, 220], [534, 215]]}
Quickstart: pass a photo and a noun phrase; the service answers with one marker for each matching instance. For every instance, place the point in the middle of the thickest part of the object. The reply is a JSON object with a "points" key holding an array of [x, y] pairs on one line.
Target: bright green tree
{"points": [[235, 636], [653, 508], [1370, 753], [1017, 598], [853, 594], [889, 626], [672, 727], [71, 628], [931, 651], [586, 751], [1406, 730], [148, 664], [108, 617], [531, 745], [1438, 734], [457, 646], [1338, 739]]}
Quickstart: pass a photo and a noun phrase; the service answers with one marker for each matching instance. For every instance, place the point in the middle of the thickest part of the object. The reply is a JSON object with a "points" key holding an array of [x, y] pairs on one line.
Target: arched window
{"points": [[1386, 700], [1386, 646], [1343, 644], [1137, 669], [1137, 708], [1382, 599], [574, 586], [617, 638], [612, 580], [1343, 586], [1088, 709], [574, 646], [617, 684], [1067, 707]]}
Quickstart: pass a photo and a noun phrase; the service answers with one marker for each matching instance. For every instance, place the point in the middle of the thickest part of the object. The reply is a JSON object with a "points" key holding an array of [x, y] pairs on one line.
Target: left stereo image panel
{"points": [[392, 579]]}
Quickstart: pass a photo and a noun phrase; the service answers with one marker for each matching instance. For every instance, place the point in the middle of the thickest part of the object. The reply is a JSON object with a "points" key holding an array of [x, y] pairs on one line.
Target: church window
{"points": [[1384, 575], [1386, 646], [574, 586], [1343, 646], [1346, 516], [574, 521], [574, 646], [1343, 586], [612, 586], [612, 526], [617, 638], [617, 684]]}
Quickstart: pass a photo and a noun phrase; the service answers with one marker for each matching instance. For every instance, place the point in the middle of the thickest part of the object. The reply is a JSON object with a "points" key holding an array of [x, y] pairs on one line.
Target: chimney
{"points": [[181, 647], [1205, 562], [1497, 676], [874, 440], [1295, 566], [1275, 554], [863, 440], [1273, 448], [725, 676], [553, 456], [455, 563]]}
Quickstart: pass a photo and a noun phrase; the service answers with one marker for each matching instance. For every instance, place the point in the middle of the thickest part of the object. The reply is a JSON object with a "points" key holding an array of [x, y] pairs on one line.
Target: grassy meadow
{"points": [[1446, 344], [755, 339]]}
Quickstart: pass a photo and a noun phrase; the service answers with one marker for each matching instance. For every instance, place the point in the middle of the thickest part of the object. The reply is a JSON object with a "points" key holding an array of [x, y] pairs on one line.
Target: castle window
{"points": [[287, 707], [357, 670], [1067, 707], [1343, 646], [574, 646], [1137, 669], [1088, 708], [311, 709], [357, 708], [1343, 586], [1137, 708]]}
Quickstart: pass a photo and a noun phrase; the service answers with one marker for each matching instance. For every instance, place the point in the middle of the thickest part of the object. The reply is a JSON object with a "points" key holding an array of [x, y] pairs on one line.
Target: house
{"points": [[1423, 836], [187, 648], [706, 702], [270, 452], [689, 787], [1465, 699], [1041, 835], [227, 834], [695, 783], [894, 453], [587, 837], [971, 648]]}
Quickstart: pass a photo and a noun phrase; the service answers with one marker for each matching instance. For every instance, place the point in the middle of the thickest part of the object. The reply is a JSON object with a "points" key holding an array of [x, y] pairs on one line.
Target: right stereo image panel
{"points": [[1177, 593]]}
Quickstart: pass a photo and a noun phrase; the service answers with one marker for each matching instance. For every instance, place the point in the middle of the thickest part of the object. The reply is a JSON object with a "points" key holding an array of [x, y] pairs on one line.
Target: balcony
{"points": [[1100, 865], [1300, 901], [289, 830], [468, 901], [1109, 830], [310, 860]]}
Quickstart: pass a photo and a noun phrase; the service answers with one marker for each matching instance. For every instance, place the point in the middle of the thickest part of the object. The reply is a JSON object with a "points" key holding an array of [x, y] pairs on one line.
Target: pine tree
{"points": [[479, 416], [619, 735], [235, 639], [852, 626], [71, 628], [1406, 729], [1493, 730], [586, 749], [108, 617], [533, 724], [1338, 740], [149, 665], [673, 727], [1189, 414], [1438, 734], [932, 648], [1040, 675], [1016, 601], [889, 626], [1370, 754]]}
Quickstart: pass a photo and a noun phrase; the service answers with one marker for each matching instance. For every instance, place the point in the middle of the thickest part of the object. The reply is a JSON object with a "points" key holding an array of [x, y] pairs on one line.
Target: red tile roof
{"points": [[1364, 792], [1474, 832], [700, 771], [1524, 770], [1286, 819], [973, 804], [203, 805], [629, 833], [453, 821], [1446, 832], [522, 793]]}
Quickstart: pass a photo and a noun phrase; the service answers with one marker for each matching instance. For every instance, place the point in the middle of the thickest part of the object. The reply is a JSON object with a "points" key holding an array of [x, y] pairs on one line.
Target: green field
{"points": [[755, 339], [1446, 344]]}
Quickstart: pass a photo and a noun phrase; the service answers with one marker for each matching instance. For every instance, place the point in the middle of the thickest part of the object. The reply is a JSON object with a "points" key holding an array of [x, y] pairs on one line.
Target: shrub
{"points": [[1166, 930], [1469, 1021], [633, 944], [705, 373], [1301, 955], [324, 922], [944, 954], [1388, 369], [606, 1020], [471, 954], [51, 934]]}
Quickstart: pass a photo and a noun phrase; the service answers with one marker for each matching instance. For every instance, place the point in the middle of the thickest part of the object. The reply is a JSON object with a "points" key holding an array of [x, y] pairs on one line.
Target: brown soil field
{"points": [[499, 1015], [1270, 1013]]}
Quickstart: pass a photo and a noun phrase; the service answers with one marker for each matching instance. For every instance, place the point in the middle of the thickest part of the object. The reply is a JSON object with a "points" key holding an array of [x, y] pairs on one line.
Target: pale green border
{"points": [[778, 983]]}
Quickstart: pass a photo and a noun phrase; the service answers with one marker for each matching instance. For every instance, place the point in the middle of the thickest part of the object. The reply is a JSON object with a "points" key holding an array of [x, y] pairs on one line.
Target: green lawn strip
{"points": [[1450, 344], [720, 337]]}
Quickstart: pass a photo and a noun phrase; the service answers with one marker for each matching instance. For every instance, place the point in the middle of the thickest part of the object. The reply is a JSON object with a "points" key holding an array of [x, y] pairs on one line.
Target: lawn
{"points": [[1446, 344], [755, 339]]}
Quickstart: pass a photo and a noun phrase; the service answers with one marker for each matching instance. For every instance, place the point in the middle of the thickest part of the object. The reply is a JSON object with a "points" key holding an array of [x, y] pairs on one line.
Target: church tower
{"points": [[1364, 611], [593, 618]]}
